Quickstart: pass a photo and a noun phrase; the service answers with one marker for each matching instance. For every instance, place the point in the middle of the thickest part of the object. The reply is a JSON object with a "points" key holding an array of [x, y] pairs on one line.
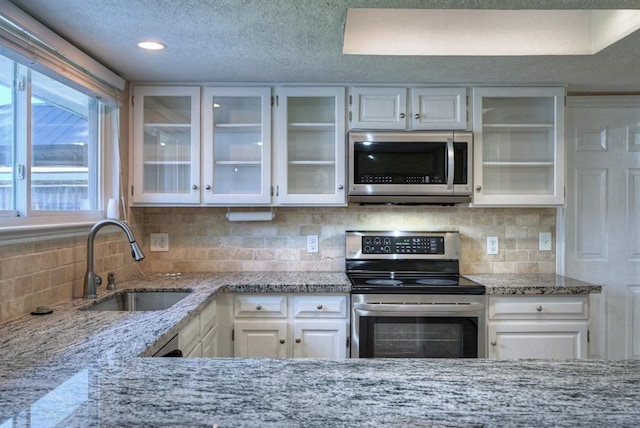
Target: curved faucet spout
{"points": [[90, 277]]}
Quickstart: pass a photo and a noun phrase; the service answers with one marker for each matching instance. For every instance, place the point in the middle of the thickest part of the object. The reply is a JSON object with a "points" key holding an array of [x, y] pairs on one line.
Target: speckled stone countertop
{"points": [[508, 284], [83, 368]]}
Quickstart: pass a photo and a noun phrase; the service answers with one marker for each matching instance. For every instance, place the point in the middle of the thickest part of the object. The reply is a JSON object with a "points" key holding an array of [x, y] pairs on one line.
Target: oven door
{"points": [[418, 326]]}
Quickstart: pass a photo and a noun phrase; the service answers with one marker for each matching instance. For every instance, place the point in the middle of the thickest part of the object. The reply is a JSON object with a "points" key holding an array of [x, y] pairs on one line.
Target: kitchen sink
{"points": [[140, 301]]}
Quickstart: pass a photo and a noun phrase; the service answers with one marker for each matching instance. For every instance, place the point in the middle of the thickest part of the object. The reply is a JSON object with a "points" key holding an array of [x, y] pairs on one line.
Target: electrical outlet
{"points": [[544, 241], [493, 246], [312, 243], [159, 242]]}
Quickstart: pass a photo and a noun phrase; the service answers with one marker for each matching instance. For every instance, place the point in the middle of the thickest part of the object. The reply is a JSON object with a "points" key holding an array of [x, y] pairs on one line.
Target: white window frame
{"points": [[25, 40]]}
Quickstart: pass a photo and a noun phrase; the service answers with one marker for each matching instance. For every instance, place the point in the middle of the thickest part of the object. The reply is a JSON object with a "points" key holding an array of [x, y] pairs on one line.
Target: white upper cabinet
{"points": [[378, 108], [309, 148], [518, 146], [166, 146], [236, 151], [438, 108], [391, 109]]}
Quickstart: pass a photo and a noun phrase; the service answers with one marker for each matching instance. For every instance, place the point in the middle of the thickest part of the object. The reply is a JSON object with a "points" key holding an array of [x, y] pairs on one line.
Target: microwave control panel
{"points": [[400, 179]]}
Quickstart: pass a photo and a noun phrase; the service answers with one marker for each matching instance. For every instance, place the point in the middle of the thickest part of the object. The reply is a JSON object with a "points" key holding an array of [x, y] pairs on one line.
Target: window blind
{"points": [[25, 40]]}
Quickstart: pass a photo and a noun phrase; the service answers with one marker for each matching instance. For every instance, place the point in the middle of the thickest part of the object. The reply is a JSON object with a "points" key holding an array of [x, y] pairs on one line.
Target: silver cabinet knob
{"points": [[258, 307], [494, 343], [208, 187], [539, 308], [340, 186], [282, 341], [402, 115], [416, 116], [478, 188], [298, 340], [319, 307], [194, 187]]}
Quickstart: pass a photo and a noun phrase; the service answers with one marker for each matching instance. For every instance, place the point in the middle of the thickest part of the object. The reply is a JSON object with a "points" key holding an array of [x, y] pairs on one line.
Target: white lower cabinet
{"points": [[199, 337], [309, 326], [554, 327], [260, 339], [320, 339]]}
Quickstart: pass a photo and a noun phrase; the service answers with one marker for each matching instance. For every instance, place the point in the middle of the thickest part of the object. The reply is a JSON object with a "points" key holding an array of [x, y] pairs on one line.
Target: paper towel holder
{"points": [[250, 215]]}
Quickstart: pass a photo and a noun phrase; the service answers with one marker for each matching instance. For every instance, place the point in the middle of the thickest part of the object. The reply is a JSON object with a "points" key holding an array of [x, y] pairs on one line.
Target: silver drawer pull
{"points": [[319, 307], [282, 341], [494, 343], [298, 340], [539, 308], [258, 307]]}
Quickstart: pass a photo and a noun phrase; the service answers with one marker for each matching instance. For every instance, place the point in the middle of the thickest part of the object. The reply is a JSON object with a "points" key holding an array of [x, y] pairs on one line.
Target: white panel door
{"points": [[320, 339], [555, 340], [601, 222], [439, 108], [378, 108], [260, 339]]}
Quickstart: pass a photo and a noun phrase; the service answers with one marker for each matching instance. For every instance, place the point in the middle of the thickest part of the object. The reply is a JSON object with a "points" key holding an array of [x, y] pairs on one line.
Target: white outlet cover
{"points": [[312, 243], [493, 246], [159, 242], [544, 241]]}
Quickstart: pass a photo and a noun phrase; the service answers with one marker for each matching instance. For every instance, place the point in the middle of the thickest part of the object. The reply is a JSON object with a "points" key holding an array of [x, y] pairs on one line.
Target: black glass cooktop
{"points": [[412, 282]]}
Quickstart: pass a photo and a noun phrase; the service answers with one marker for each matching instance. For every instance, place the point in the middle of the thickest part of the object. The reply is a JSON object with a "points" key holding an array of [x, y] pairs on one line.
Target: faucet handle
{"points": [[111, 281], [98, 280]]}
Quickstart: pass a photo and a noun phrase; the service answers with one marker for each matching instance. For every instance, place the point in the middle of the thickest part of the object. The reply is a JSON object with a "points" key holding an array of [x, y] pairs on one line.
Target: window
{"points": [[51, 146], [59, 111], [64, 139]]}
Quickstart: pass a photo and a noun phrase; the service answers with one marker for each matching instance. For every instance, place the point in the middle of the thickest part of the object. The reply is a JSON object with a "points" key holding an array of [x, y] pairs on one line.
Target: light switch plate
{"points": [[544, 241], [493, 247], [159, 242]]}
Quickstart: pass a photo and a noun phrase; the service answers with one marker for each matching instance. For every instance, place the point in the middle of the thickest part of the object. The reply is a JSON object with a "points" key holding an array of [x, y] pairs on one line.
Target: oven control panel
{"points": [[403, 244]]}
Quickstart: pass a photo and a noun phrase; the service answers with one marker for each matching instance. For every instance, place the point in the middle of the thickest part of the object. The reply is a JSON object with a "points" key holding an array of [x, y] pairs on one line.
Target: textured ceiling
{"points": [[301, 41]]}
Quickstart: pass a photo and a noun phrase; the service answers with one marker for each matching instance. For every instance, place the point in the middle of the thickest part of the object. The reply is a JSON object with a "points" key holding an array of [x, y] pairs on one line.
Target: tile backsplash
{"points": [[203, 240], [48, 272]]}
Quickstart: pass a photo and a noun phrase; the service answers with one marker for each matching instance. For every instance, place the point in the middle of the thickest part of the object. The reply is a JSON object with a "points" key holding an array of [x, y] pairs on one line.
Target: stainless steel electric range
{"points": [[409, 299]]}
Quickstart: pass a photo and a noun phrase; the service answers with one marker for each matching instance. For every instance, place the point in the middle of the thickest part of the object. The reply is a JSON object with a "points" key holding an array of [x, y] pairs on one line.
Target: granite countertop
{"points": [[83, 368], [544, 283], [204, 392]]}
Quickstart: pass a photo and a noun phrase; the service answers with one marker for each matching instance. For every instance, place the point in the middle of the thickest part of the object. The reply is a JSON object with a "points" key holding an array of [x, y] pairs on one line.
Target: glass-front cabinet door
{"points": [[166, 145], [237, 146], [518, 146], [309, 165]]}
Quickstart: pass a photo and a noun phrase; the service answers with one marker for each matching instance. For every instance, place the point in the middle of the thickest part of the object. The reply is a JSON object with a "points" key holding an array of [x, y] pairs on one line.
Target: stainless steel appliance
{"points": [[410, 167], [409, 299]]}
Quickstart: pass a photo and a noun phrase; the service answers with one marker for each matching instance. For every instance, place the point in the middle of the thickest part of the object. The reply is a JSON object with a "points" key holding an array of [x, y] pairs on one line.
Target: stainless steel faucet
{"points": [[91, 279]]}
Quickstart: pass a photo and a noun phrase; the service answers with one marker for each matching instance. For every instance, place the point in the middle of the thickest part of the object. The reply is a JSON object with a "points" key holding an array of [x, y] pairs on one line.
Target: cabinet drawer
{"points": [[208, 318], [260, 306], [319, 306], [538, 307]]}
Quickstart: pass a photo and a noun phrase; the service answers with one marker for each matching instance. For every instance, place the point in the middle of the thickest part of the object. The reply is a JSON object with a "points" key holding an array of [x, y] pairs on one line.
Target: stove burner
{"points": [[437, 281], [383, 282]]}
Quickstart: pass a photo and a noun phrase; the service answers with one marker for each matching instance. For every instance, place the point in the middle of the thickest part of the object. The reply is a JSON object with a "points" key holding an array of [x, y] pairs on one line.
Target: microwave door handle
{"points": [[451, 165]]}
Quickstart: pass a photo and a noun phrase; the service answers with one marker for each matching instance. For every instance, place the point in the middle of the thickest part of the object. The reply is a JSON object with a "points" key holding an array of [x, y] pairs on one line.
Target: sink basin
{"points": [[140, 301]]}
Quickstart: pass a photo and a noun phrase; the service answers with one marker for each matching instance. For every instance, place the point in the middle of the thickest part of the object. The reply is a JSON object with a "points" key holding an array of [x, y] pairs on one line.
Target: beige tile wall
{"points": [[202, 240], [45, 273]]}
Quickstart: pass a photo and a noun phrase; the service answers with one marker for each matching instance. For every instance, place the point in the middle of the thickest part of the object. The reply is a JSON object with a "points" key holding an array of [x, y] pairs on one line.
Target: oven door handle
{"points": [[451, 166], [409, 308]]}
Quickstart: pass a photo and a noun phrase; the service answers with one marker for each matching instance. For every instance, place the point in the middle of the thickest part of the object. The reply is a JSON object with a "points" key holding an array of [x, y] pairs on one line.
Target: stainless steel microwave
{"points": [[410, 167]]}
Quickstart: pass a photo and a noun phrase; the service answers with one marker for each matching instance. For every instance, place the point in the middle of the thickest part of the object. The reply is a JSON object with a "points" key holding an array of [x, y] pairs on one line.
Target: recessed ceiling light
{"points": [[479, 32], [152, 46]]}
